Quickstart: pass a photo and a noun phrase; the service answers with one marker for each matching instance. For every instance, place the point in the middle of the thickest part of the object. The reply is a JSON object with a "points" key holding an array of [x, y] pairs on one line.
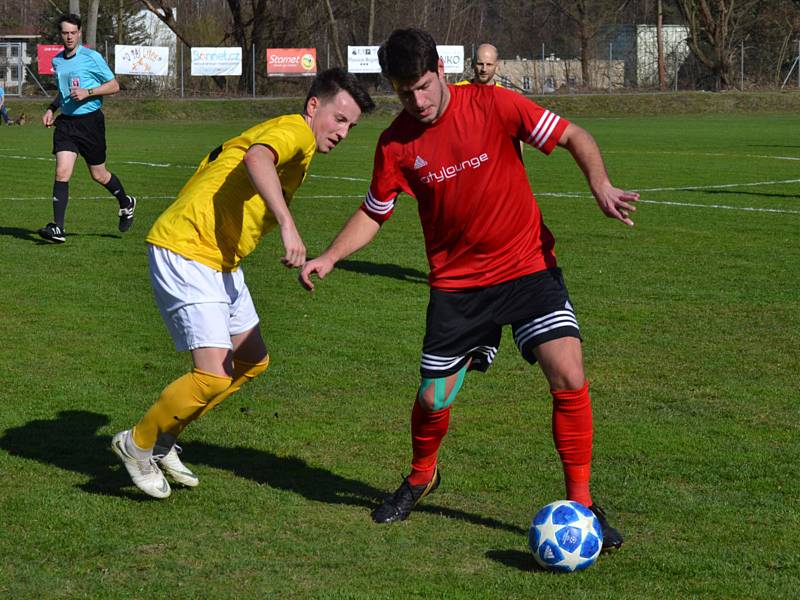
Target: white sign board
{"points": [[364, 59], [453, 58], [141, 60], [216, 61]]}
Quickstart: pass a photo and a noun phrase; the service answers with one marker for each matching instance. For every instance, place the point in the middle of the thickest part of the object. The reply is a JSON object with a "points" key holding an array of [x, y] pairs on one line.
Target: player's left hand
{"points": [[295, 255], [616, 203], [79, 94]]}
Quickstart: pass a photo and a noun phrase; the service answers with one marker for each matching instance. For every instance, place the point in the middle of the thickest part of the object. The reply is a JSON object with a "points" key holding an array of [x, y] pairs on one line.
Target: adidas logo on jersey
{"points": [[420, 162]]}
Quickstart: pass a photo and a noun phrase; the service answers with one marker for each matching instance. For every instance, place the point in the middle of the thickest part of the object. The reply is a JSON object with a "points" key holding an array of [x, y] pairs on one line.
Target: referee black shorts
{"points": [[468, 325], [82, 134]]}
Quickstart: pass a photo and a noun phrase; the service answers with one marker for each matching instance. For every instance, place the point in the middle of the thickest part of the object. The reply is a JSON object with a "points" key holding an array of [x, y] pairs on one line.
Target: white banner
{"points": [[364, 59], [453, 57], [141, 60], [216, 61]]}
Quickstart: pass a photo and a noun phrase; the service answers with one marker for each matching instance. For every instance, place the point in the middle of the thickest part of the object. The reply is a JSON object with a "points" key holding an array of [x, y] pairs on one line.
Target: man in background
{"points": [[484, 65], [3, 111]]}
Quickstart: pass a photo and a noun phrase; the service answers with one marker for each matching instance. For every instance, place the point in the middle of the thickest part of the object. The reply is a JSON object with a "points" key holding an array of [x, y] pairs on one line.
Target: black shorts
{"points": [[82, 134], [468, 325]]}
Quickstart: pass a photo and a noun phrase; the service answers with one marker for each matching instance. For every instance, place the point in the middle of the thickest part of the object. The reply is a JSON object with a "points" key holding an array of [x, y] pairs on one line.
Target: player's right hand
{"points": [[320, 266], [47, 119]]}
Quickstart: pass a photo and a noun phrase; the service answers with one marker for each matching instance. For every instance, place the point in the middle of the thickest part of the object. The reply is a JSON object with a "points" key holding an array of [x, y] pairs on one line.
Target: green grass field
{"points": [[692, 343]]}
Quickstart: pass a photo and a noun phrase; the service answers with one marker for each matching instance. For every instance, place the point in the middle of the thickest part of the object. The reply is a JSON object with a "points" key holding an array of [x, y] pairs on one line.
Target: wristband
{"points": [[91, 92]]}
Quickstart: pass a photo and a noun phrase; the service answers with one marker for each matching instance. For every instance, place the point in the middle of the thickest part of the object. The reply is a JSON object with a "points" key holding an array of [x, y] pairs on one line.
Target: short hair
{"points": [[330, 82], [408, 54], [70, 18]]}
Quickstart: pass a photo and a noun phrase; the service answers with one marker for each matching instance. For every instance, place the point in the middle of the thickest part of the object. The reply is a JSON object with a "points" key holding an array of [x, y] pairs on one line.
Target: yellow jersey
{"points": [[218, 217], [469, 82]]}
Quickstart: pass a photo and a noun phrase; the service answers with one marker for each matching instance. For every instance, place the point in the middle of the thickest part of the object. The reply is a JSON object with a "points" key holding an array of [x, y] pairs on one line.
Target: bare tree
{"points": [[91, 24], [716, 28], [589, 17]]}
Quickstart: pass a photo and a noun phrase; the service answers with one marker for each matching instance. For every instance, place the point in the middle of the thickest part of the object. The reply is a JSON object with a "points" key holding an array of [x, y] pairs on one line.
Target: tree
{"points": [[589, 17], [716, 28]]}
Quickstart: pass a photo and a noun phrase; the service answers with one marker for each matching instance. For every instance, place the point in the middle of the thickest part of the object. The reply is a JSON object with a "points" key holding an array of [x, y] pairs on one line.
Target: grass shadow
{"points": [[516, 559], [70, 442], [383, 270], [22, 234]]}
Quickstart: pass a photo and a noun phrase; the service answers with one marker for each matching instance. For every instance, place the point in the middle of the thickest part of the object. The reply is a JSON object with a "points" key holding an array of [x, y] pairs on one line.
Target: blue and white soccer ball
{"points": [[565, 536]]}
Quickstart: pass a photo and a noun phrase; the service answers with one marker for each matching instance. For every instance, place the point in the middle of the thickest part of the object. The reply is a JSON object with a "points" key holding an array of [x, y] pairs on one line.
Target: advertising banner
{"points": [[363, 59], [216, 61], [44, 56], [141, 60], [453, 58], [291, 61]]}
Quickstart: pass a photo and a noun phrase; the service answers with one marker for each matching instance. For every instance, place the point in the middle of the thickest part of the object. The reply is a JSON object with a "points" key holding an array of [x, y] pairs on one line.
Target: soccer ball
{"points": [[565, 536]]}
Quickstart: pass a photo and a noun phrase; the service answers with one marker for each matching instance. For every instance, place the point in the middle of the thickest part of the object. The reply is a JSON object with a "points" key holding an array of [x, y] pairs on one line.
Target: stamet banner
{"points": [[291, 61]]}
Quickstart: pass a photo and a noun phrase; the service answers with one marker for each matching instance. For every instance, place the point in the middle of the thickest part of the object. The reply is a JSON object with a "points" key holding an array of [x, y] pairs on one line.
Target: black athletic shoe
{"points": [[53, 233], [399, 505], [126, 214], [612, 539]]}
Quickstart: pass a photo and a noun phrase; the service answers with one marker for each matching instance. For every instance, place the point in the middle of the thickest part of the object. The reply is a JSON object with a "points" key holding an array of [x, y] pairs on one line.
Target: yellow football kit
{"points": [[218, 217], [469, 81]]}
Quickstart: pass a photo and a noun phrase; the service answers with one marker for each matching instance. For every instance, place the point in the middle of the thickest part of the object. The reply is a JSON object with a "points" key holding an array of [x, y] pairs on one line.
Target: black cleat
{"points": [[53, 233], [126, 214], [399, 505], [612, 539]]}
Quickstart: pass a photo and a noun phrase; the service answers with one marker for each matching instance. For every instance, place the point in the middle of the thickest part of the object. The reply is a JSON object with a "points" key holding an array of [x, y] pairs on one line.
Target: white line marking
{"points": [[344, 178]]}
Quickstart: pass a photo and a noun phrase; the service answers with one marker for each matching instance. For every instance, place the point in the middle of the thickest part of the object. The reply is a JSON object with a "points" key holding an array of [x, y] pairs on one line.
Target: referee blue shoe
{"points": [[399, 505], [612, 539], [126, 214], [53, 233]]}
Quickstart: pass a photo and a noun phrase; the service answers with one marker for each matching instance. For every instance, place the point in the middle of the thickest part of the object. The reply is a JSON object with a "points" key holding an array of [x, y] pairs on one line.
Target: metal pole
{"points": [[610, 58], [254, 70], [181, 70], [741, 76], [544, 72], [798, 63], [675, 58]]}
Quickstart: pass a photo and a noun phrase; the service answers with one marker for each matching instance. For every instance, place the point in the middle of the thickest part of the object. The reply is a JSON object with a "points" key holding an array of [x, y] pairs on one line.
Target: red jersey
{"points": [[481, 223]]}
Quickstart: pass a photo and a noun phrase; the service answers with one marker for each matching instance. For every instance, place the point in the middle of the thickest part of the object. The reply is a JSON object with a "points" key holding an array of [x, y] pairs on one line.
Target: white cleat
{"points": [[173, 466], [145, 473]]}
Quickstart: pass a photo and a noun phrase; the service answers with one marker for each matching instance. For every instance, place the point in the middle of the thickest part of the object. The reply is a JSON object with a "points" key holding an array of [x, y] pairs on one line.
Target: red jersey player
{"points": [[456, 150]]}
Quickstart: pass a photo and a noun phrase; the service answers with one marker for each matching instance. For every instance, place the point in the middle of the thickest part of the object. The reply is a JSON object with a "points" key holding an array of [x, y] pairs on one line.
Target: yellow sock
{"points": [[180, 403], [242, 373]]}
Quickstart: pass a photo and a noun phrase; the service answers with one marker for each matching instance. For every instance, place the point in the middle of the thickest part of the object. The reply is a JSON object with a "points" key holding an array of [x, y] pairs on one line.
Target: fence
{"points": [[624, 60]]}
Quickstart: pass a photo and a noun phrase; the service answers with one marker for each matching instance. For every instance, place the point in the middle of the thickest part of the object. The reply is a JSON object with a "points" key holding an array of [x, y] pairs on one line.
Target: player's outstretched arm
{"points": [[359, 231], [614, 202], [259, 161]]}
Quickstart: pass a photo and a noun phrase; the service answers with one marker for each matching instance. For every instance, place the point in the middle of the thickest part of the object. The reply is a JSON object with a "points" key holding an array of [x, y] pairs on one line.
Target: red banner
{"points": [[45, 54], [291, 61]]}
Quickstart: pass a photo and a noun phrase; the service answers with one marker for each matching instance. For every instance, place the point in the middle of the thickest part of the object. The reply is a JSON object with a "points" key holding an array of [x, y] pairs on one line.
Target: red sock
{"points": [[572, 434], [427, 431]]}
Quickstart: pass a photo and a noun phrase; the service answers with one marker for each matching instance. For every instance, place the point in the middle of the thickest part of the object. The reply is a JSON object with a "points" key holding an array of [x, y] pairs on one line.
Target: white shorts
{"points": [[201, 307]]}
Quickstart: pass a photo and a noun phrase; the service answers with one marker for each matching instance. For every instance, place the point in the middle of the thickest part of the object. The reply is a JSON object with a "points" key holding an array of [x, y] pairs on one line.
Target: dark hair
{"points": [[408, 54], [70, 18], [330, 82]]}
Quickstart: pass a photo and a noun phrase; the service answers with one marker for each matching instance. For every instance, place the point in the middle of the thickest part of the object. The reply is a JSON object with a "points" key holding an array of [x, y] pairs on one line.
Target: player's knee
{"points": [[208, 386], [248, 370], [440, 392]]}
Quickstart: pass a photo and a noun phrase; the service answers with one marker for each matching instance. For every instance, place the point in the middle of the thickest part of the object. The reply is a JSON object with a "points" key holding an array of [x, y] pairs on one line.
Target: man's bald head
{"points": [[485, 64]]}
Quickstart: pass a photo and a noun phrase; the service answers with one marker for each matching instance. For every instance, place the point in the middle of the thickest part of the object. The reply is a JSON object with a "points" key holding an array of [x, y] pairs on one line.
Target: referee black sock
{"points": [[115, 187], [60, 199]]}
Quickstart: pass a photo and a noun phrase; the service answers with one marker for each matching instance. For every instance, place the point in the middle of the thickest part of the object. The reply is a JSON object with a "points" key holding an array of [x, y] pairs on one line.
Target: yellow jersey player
{"points": [[485, 67], [241, 190]]}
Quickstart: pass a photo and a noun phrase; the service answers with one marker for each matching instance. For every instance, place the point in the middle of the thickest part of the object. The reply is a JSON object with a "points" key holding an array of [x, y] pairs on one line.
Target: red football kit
{"points": [[481, 222]]}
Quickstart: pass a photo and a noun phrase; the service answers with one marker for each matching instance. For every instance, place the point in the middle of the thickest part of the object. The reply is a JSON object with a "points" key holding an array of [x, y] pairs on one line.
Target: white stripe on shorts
{"points": [[537, 327], [431, 362]]}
